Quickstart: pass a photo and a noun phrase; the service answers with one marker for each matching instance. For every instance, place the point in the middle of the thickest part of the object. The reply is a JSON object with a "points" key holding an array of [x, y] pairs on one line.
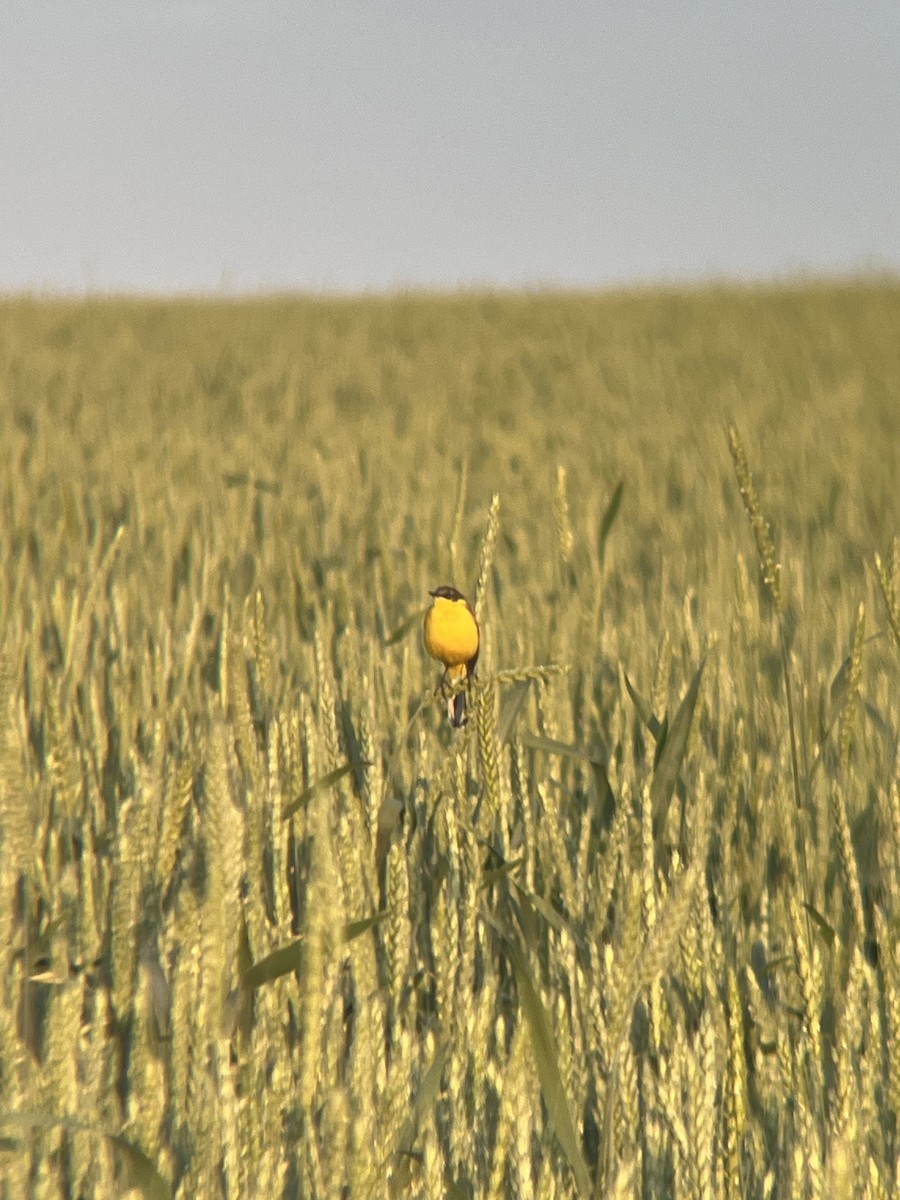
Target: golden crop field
{"points": [[270, 927]]}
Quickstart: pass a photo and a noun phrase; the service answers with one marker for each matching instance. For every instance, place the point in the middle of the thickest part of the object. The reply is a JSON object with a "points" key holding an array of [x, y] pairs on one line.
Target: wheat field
{"points": [[270, 927]]}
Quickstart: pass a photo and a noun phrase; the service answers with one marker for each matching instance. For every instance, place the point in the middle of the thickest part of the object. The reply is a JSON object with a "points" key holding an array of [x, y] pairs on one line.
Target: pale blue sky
{"points": [[350, 145]]}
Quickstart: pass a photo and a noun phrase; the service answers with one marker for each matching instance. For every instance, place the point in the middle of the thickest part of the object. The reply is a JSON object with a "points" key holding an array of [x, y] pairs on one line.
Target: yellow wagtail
{"points": [[453, 638]]}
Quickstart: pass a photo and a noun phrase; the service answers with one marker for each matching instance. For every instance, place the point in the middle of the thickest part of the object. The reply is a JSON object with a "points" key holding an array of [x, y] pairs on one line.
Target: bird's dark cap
{"points": [[447, 593]]}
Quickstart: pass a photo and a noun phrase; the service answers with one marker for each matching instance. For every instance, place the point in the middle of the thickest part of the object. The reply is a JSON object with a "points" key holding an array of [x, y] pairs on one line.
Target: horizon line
{"points": [[789, 279]]}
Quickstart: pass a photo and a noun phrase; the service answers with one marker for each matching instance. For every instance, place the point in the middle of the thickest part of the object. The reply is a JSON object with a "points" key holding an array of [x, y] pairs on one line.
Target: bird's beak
{"points": [[431, 594]]}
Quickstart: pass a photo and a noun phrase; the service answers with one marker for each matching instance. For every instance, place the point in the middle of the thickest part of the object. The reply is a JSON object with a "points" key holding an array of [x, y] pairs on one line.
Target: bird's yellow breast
{"points": [[451, 632]]}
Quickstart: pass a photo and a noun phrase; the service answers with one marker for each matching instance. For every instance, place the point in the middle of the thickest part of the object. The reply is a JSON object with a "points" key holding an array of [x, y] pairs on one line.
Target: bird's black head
{"points": [[447, 593]]}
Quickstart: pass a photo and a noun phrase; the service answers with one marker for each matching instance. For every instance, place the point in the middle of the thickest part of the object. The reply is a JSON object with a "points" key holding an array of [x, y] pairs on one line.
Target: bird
{"points": [[453, 638]]}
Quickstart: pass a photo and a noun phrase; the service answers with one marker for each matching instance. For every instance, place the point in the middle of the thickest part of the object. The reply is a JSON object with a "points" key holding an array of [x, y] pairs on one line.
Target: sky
{"points": [[368, 146]]}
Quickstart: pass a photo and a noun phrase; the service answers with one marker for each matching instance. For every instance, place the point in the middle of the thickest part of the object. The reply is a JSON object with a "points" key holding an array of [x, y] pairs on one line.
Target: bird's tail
{"points": [[456, 710], [456, 701]]}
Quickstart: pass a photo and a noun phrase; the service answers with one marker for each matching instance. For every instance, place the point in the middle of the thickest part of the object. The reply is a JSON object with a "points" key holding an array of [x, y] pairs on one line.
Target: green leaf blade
{"points": [[326, 781], [665, 775], [609, 516]]}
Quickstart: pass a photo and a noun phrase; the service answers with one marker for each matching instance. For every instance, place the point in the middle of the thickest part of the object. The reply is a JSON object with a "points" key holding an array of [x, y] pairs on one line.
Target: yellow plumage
{"points": [[452, 638]]}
